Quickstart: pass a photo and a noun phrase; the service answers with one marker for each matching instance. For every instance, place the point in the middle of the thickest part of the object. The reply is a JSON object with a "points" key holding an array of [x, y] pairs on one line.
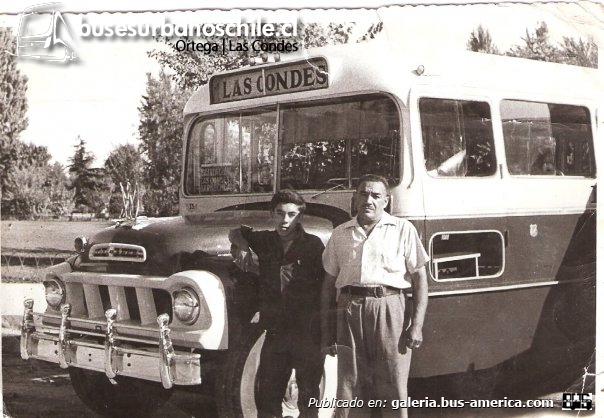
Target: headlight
{"points": [[55, 293], [186, 306], [80, 244]]}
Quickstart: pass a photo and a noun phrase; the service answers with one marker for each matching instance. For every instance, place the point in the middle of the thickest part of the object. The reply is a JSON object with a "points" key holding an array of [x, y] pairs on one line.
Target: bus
{"points": [[491, 158]]}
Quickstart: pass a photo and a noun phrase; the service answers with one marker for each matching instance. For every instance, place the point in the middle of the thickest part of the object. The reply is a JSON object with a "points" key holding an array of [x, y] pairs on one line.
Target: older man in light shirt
{"points": [[371, 259]]}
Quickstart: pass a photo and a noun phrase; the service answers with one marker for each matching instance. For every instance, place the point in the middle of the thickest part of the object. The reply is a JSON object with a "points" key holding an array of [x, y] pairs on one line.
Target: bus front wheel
{"points": [[237, 385]]}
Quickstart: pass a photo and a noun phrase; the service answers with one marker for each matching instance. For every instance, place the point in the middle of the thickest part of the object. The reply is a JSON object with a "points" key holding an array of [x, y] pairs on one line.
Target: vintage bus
{"points": [[492, 158]]}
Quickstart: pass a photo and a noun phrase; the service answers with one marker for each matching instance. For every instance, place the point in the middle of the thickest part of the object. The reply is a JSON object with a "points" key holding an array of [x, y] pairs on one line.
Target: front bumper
{"points": [[108, 349]]}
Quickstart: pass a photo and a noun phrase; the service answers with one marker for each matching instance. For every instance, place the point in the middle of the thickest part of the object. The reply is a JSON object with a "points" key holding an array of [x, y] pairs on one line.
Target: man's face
{"points": [[286, 216], [372, 198]]}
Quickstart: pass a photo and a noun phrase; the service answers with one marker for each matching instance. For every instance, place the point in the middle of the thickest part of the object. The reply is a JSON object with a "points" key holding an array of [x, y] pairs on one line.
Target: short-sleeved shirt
{"points": [[290, 283], [387, 257]]}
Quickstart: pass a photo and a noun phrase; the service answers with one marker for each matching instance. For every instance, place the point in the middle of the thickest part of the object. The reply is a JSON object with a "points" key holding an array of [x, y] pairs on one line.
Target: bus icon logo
{"points": [[44, 35], [577, 401]]}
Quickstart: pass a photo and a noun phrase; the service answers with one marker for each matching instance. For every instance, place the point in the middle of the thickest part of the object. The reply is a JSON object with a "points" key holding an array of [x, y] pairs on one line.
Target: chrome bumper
{"points": [[119, 355]]}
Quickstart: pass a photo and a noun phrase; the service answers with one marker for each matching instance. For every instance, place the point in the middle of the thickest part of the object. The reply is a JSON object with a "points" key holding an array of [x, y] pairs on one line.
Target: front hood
{"points": [[176, 244]]}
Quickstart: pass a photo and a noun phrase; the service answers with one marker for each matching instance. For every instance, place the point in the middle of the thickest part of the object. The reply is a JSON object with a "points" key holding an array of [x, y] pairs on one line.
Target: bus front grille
{"points": [[134, 305]]}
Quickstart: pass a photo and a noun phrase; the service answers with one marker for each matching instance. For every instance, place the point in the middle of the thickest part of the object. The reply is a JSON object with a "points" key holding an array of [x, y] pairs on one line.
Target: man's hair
{"points": [[288, 196], [376, 179]]}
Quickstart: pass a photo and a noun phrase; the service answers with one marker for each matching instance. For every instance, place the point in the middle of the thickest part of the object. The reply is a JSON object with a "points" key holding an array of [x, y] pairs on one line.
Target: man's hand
{"points": [[240, 250], [238, 241], [419, 282], [414, 337], [328, 299]]}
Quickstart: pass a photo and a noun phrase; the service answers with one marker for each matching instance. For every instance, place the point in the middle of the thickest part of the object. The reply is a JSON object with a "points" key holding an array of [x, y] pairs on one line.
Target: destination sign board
{"points": [[293, 77]]}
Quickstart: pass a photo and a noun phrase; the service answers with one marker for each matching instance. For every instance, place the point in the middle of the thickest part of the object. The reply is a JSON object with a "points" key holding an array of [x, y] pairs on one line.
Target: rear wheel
{"points": [[129, 397]]}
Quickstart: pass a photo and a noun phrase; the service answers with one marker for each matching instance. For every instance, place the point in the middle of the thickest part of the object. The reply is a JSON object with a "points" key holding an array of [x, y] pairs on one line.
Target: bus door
{"points": [[549, 188], [463, 196]]}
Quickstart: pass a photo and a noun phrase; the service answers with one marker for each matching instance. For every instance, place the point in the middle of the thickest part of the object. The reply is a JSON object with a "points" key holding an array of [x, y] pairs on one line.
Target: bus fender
{"points": [[213, 320]]}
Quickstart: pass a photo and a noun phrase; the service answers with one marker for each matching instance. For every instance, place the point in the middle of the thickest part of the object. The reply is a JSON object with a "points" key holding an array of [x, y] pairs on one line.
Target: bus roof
{"points": [[379, 66]]}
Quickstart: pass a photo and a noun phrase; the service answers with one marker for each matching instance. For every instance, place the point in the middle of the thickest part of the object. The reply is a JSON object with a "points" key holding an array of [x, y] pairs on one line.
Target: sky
{"points": [[97, 98]]}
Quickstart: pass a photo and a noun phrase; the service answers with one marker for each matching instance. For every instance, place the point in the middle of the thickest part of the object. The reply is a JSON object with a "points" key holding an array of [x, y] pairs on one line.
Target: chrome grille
{"points": [[117, 252], [140, 306]]}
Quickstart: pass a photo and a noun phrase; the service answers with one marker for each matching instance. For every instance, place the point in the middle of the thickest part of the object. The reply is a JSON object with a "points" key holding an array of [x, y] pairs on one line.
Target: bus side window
{"points": [[457, 137], [547, 139], [461, 255]]}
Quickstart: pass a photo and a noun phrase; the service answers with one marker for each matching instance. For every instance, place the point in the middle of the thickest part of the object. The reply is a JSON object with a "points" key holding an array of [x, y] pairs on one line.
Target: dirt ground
{"points": [[39, 389]]}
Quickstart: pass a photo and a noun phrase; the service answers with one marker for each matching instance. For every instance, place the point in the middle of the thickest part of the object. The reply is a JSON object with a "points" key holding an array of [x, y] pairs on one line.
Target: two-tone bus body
{"points": [[492, 159]]}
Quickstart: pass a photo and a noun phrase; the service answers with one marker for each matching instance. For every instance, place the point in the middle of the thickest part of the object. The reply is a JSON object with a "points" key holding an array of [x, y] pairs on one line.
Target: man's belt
{"points": [[371, 292]]}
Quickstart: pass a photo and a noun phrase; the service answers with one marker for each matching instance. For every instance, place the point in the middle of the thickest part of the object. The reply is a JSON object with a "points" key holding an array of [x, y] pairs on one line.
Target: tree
{"points": [[86, 182], [579, 52], [28, 200], [161, 131], [13, 107], [123, 164], [537, 45], [480, 41], [42, 187], [59, 196], [372, 32], [315, 35]]}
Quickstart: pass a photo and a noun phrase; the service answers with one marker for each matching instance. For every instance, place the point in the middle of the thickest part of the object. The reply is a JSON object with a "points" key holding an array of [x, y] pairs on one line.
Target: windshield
{"points": [[320, 145]]}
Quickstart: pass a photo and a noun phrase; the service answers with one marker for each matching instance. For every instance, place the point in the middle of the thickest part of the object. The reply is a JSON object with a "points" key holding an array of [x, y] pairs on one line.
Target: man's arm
{"points": [[419, 282], [328, 300]]}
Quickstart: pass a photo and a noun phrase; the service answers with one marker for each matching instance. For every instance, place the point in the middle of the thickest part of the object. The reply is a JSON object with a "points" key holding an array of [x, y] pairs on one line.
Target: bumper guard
{"points": [[117, 356]]}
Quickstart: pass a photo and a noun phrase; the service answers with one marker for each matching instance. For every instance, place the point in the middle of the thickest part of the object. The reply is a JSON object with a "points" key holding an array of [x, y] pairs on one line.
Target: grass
{"points": [[28, 247], [51, 236]]}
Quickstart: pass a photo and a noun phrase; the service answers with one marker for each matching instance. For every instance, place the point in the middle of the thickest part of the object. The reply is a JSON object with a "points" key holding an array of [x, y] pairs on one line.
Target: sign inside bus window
{"points": [[216, 177], [270, 81]]}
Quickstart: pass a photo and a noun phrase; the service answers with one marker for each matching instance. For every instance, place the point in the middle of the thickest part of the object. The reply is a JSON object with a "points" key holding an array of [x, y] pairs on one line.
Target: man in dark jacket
{"points": [[291, 276]]}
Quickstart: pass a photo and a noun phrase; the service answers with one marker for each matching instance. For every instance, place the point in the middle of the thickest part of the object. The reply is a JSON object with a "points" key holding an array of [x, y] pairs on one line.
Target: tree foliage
{"points": [[538, 45], [123, 165], [86, 182], [13, 106], [60, 198], [580, 52], [161, 131], [41, 186], [480, 41]]}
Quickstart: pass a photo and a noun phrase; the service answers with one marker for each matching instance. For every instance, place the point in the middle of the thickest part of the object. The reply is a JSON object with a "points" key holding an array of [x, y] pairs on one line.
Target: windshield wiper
{"points": [[337, 186]]}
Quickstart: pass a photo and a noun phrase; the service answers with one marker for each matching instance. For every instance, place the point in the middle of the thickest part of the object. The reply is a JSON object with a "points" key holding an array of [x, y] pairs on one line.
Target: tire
{"points": [[236, 387], [128, 398]]}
